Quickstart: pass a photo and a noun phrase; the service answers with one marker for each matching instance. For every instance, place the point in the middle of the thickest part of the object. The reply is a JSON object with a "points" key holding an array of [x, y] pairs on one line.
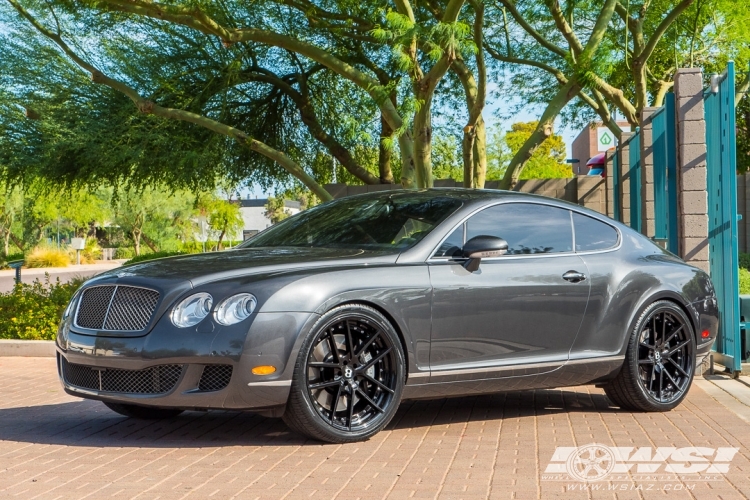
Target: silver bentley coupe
{"points": [[332, 317]]}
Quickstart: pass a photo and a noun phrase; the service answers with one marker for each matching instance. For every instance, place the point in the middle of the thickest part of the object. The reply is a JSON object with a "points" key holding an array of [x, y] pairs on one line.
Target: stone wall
{"points": [[586, 191], [692, 194]]}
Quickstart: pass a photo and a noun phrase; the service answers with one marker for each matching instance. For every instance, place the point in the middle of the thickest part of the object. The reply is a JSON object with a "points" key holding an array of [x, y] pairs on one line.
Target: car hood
{"points": [[201, 268]]}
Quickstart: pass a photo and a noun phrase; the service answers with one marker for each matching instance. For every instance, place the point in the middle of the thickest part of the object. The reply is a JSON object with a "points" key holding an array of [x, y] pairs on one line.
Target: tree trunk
{"points": [[16, 241], [6, 243], [151, 243], [221, 238], [136, 235], [543, 130], [385, 153], [423, 141], [408, 168], [467, 149], [480, 154]]}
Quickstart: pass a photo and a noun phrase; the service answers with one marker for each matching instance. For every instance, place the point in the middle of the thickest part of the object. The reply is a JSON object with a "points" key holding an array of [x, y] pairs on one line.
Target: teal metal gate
{"points": [[665, 174], [722, 214]]}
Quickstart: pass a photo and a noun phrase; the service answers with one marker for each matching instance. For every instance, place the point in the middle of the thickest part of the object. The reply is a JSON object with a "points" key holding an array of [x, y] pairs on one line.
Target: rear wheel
{"points": [[348, 377], [142, 412], [660, 361]]}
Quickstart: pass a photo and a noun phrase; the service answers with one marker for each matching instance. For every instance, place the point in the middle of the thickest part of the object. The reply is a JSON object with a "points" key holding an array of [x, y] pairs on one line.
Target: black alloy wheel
{"points": [[665, 364], [660, 361], [349, 376]]}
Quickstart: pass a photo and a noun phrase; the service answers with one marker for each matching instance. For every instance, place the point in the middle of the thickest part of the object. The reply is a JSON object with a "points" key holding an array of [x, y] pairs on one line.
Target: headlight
{"points": [[235, 308], [192, 310]]}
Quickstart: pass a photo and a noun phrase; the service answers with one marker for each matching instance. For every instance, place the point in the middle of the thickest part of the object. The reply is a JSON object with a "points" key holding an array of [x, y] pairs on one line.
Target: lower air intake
{"points": [[153, 380], [215, 377]]}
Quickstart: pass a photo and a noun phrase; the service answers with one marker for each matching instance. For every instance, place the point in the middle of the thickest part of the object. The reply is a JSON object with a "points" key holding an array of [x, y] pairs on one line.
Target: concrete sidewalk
{"points": [[7, 277], [56, 446]]}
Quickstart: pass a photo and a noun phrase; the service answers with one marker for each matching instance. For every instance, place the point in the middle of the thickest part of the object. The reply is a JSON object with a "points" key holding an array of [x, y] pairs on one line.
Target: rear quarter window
{"points": [[591, 234]]}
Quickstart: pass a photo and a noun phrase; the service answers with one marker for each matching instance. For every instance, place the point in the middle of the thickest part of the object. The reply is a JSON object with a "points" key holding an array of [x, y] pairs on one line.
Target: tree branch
{"points": [[564, 27], [661, 29], [146, 106], [510, 7]]}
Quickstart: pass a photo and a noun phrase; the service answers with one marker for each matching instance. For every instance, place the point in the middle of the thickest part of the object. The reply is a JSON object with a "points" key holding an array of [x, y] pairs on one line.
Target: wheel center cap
{"points": [[348, 372], [657, 356]]}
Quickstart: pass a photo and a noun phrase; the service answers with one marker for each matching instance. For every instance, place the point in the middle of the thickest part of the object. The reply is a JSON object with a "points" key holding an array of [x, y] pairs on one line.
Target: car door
{"points": [[517, 314]]}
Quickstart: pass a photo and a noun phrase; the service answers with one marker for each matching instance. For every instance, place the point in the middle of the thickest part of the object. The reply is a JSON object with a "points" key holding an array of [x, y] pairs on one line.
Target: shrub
{"points": [[124, 253], [744, 282], [151, 256], [47, 257], [745, 260], [33, 312]]}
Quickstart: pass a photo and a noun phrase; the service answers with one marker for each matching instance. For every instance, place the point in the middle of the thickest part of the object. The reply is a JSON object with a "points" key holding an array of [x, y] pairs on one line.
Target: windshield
{"points": [[397, 221]]}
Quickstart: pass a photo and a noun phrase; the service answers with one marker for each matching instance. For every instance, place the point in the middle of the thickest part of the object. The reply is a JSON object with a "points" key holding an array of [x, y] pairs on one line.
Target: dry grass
{"points": [[47, 257]]}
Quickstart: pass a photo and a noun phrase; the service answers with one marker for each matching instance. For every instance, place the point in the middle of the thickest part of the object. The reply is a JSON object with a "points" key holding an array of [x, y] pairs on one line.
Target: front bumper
{"points": [[272, 339]]}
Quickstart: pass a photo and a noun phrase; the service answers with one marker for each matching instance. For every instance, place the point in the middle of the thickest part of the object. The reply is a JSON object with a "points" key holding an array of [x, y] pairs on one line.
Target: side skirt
{"points": [[578, 372]]}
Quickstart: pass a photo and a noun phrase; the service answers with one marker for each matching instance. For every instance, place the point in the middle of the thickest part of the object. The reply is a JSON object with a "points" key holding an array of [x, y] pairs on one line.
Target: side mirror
{"points": [[480, 247]]}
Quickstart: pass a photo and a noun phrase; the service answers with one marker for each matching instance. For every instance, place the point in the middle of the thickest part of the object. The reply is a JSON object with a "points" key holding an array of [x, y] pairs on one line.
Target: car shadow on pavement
{"points": [[90, 423]]}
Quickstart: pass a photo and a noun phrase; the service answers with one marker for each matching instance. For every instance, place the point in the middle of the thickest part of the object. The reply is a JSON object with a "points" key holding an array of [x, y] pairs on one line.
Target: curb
{"points": [[27, 348]]}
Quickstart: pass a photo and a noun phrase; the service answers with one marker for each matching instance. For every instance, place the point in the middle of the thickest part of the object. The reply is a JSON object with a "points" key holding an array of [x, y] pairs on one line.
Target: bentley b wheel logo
{"points": [[591, 463], [348, 372]]}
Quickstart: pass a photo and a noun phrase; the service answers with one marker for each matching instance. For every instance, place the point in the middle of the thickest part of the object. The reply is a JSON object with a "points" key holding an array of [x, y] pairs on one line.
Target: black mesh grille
{"points": [[130, 309], [154, 380], [93, 307], [215, 377]]}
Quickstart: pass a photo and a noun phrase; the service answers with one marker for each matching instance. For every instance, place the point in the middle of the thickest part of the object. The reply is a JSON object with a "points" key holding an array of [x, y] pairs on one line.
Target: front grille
{"points": [[116, 307], [215, 377], [154, 380]]}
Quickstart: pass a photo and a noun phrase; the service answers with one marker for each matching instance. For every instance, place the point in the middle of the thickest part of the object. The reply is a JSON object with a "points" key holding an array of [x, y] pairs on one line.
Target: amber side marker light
{"points": [[263, 370], [705, 334]]}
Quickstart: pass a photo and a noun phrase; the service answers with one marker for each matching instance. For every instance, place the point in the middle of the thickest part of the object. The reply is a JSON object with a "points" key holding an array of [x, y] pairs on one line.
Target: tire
{"points": [[660, 361], [142, 412], [340, 397]]}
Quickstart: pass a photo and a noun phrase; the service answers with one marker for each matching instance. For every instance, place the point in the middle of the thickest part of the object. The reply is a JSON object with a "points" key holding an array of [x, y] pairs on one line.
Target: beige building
{"points": [[585, 146]]}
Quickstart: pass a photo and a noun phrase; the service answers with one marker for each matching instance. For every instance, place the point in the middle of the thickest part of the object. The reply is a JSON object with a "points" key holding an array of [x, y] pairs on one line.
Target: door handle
{"points": [[574, 276]]}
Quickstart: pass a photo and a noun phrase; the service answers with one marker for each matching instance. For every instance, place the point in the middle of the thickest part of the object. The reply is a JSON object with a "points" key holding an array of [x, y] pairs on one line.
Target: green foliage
{"points": [[47, 257], [447, 161], [744, 259], [123, 253], [276, 210], [33, 312], [547, 162], [744, 281]]}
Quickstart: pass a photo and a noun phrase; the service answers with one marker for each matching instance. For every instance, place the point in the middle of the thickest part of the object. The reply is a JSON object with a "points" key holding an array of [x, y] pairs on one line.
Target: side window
{"points": [[527, 227], [592, 234], [453, 244]]}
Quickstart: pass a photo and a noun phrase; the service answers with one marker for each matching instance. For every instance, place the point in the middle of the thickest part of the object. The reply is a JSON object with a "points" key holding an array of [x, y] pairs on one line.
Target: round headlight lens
{"points": [[235, 308], [192, 310]]}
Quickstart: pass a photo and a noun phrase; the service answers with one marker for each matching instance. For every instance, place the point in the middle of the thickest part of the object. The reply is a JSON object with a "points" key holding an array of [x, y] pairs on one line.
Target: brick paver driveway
{"points": [[55, 446]]}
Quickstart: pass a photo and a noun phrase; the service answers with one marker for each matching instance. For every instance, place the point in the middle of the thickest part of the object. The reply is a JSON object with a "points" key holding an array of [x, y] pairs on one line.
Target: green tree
{"points": [[276, 209], [224, 217], [548, 160], [10, 210]]}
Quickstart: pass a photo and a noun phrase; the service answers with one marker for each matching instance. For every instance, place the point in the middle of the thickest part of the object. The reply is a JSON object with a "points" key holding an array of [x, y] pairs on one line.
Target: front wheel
{"points": [[348, 377], [660, 361]]}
